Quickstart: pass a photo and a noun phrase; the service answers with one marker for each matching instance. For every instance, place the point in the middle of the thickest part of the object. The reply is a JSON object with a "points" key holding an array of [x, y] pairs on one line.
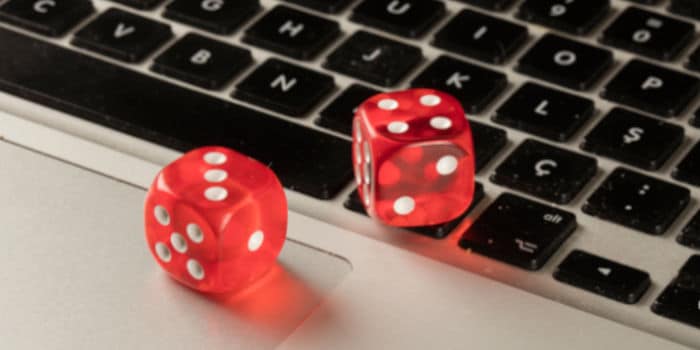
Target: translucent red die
{"points": [[413, 157], [216, 220]]}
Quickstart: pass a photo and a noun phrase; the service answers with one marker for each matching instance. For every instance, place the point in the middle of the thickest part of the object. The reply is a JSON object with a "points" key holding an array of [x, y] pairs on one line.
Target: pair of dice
{"points": [[216, 220]]}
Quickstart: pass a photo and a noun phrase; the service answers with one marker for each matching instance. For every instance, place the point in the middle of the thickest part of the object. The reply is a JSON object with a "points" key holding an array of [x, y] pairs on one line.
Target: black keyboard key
{"points": [[481, 37], [338, 114], [690, 236], [203, 62], [437, 231], [306, 160], [544, 171], [652, 88], [53, 18], [328, 6], [648, 33], [604, 277], [284, 88], [634, 139], [638, 201], [545, 112], [409, 18], [518, 231], [573, 16], [217, 16], [566, 62], [374, 59], [689, 8], [292, 33], [488, 141], [496, 5], [141, 4], [473, 86], [688, 170], [123, 36], [680, 301], [694, 60]]}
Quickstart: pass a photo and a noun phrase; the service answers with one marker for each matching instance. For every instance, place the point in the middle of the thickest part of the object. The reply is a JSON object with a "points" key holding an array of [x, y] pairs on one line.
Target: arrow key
{"points": [[604, 277], [681, 299]]}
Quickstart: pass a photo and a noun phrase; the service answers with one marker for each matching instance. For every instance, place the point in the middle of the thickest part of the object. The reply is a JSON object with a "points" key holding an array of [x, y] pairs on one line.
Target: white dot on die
{"points": [[178, 242], [215, 175], [397, 127], [195, 269], [216, 193], [446, 165], [215, 158], [388, 104], [162, 215], [256, 240], [194, 232], [440, 123], [404, 205], [430, 100], [163, 252]]}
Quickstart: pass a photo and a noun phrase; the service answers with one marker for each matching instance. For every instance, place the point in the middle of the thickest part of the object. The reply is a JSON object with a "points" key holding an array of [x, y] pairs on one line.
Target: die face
{"points": [[424, 184], [414, 159], [413, 115], [215, 219]]}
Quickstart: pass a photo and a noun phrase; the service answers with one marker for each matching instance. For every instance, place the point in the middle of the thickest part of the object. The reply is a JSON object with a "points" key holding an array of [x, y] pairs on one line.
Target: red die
{"points": [[414, 158], [215, 219]]}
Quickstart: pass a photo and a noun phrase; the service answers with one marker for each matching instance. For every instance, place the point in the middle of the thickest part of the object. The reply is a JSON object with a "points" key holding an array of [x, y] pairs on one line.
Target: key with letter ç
{"points": [[548, 172], [306, 160], [529, 236]]}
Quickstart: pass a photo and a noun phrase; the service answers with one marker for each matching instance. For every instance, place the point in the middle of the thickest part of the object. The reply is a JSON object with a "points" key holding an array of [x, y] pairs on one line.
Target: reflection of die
{"points": [[414, 159], [215, 219]]}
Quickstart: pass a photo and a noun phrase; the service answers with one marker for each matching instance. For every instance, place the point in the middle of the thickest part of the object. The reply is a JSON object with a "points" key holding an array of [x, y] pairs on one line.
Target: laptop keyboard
{"points": [[642, 63]]}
